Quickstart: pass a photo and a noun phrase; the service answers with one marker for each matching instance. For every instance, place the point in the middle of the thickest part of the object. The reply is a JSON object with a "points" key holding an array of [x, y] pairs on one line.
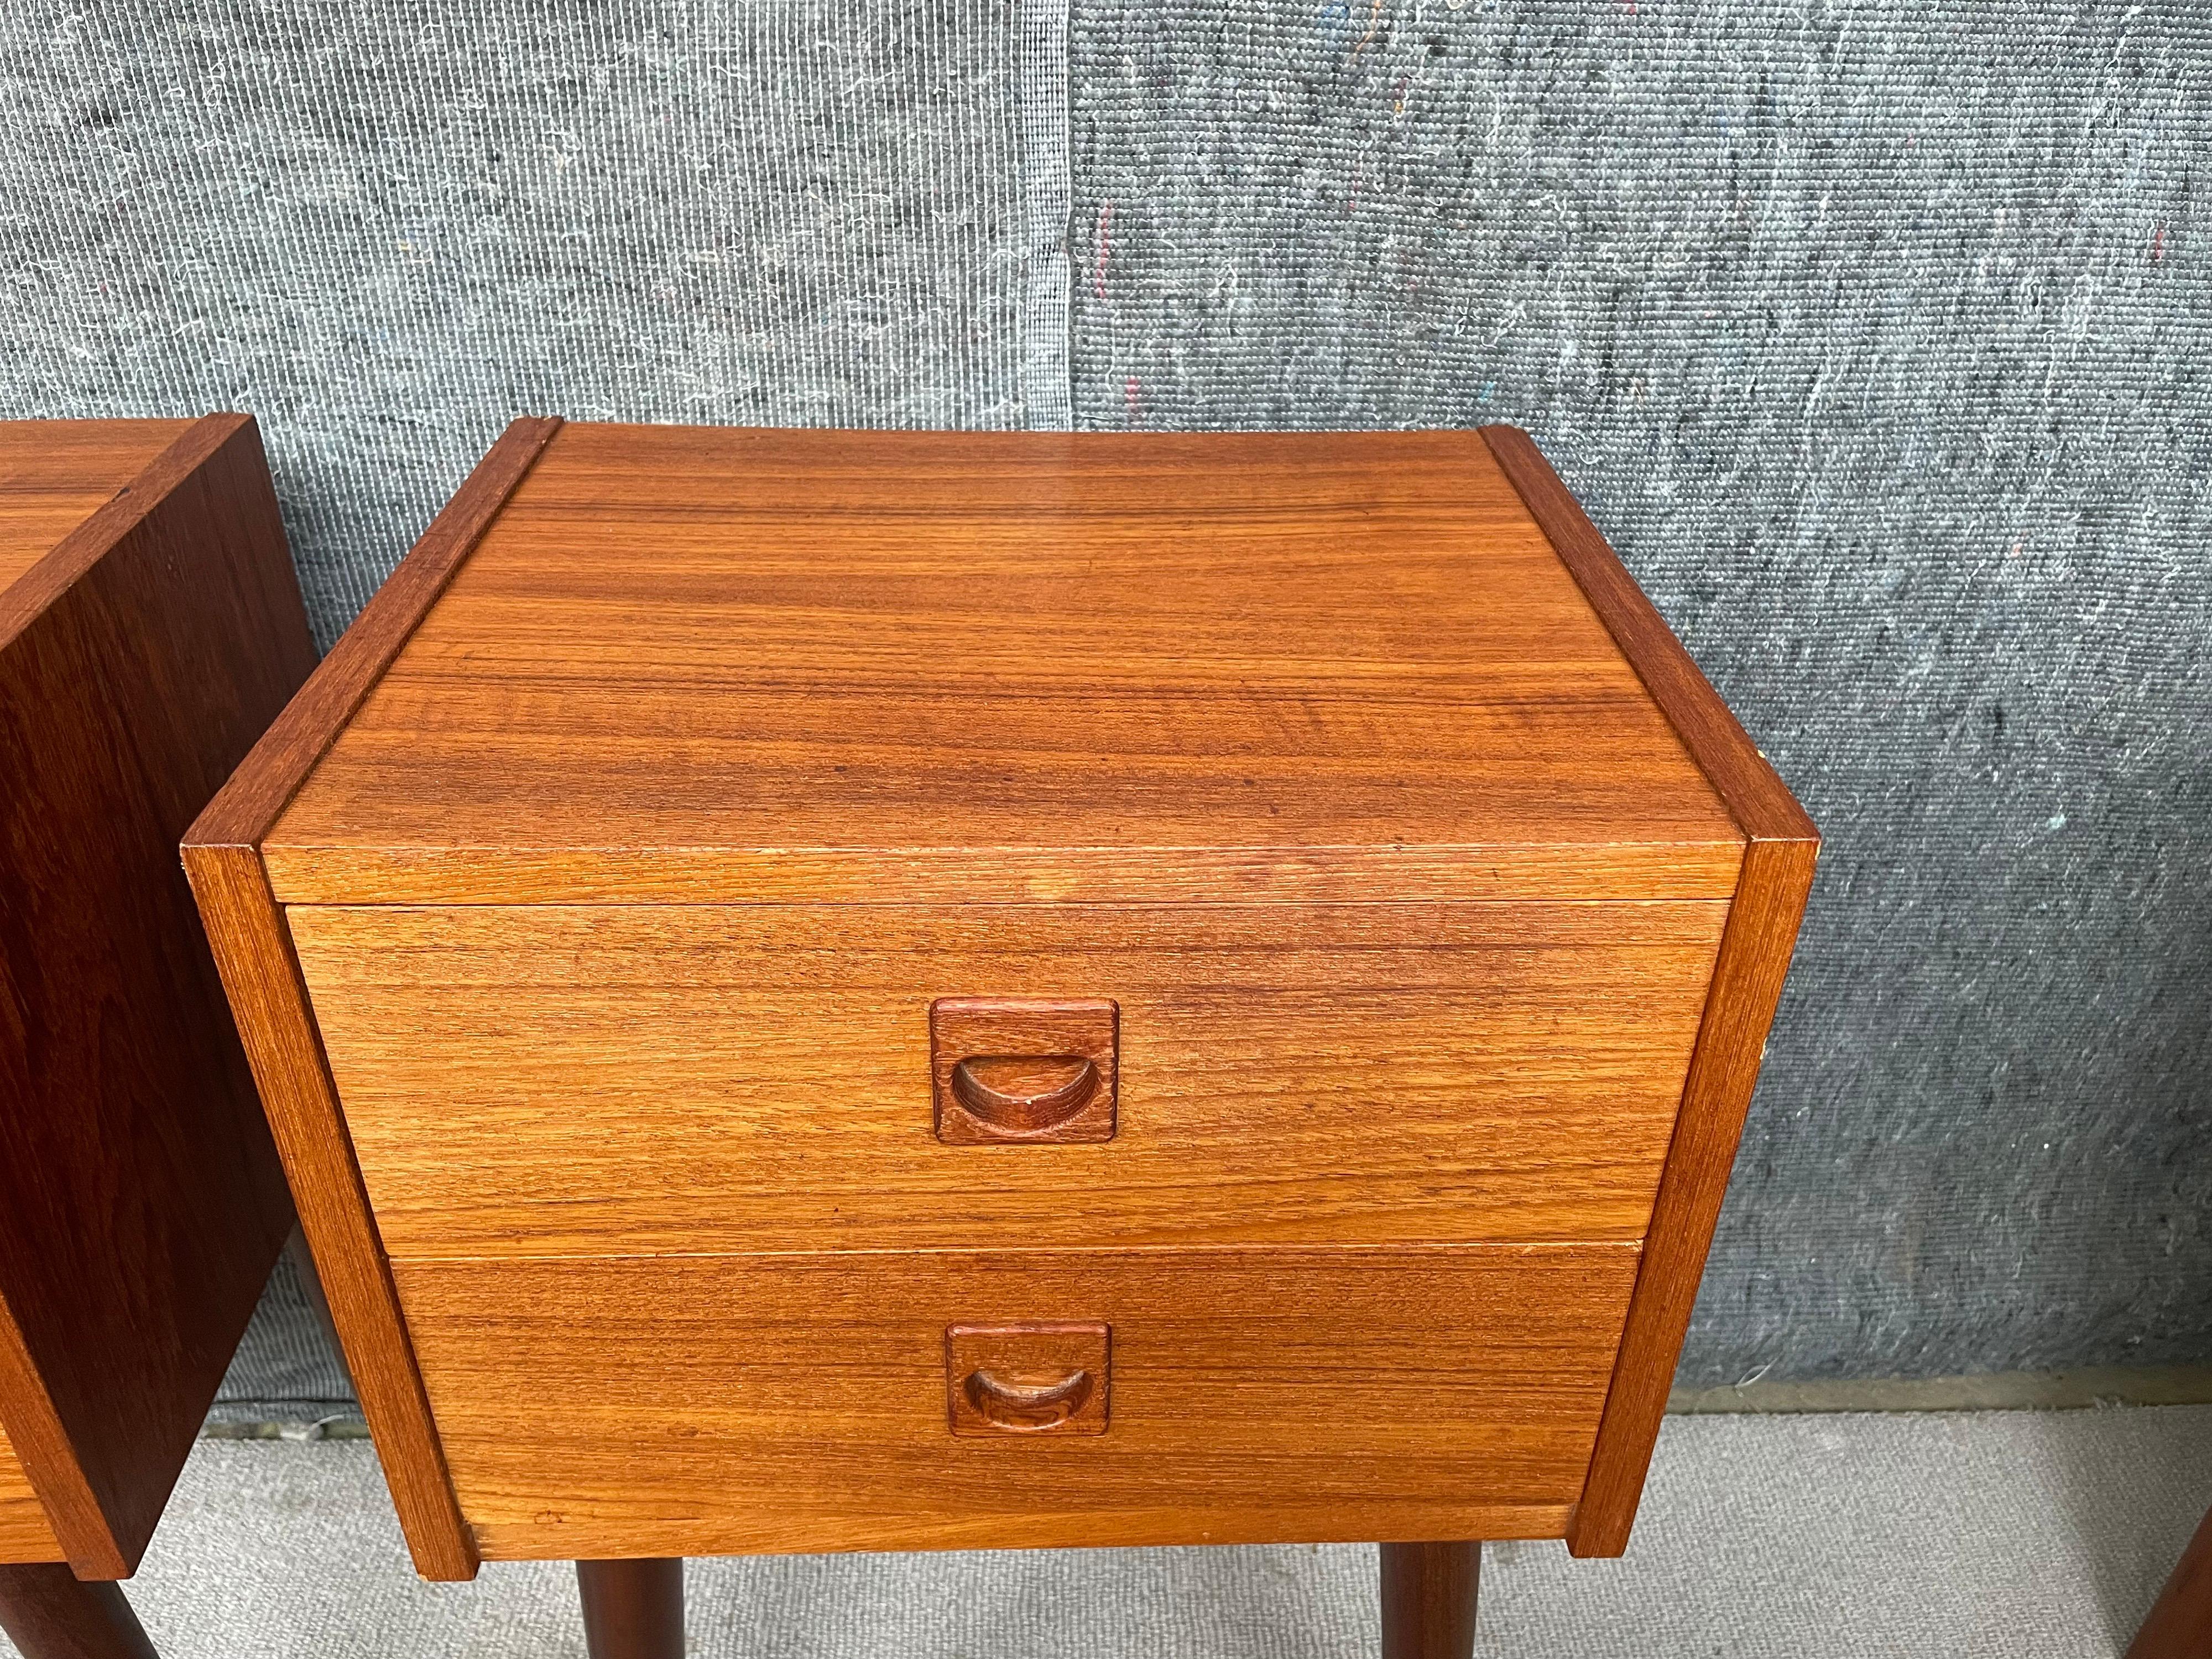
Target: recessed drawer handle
{"points": [[1025, 1408], [1024, 1093], [1024, 1070], [1047, 1378]]}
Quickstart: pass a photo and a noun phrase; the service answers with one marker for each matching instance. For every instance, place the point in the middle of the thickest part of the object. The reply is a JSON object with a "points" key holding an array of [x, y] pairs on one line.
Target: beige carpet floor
{"points": [[2024, 1534]]}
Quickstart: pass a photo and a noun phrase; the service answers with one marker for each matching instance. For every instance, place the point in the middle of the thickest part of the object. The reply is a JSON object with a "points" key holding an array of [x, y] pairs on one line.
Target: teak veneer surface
{"points": [[574, 1079], [53, 474], [698, 663], [714, 1405], [584, 914], [141, 1201], [25, 1535], [1770, 894], [254, 952]]}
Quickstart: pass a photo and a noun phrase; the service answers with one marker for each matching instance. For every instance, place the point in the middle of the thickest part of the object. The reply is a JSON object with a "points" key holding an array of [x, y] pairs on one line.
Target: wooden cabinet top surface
{"points": [[55, 474], [696, 663]]}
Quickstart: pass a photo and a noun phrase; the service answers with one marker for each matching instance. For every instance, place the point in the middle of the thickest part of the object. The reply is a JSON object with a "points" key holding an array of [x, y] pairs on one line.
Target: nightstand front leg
{"points": [[1428, 1599], [633, 1609], [49, 1613]]}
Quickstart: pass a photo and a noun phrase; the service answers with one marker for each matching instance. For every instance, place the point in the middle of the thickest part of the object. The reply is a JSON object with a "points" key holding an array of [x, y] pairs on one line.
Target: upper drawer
{"points": [[589, 1081]]}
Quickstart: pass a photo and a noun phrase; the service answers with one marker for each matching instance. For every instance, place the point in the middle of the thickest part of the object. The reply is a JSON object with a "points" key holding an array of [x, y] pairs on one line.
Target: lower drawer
{"points": [[25, 1535], [728, 1405]]}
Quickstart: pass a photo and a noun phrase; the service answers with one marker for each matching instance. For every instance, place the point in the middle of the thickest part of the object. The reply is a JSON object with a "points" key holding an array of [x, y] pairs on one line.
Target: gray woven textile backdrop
{"points": [[1876, 336], [386, 226]]}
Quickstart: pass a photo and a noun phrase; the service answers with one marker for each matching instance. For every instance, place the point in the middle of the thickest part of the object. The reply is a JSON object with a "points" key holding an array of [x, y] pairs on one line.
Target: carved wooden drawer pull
{"points": [[1027, 1407], [1040, 1378], [1024, 1092], [1024, 1068]]}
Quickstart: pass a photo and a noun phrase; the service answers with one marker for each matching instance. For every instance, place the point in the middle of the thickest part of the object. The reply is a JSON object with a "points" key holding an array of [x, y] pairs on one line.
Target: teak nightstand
{"points": [[905, 991], [151, 628]]}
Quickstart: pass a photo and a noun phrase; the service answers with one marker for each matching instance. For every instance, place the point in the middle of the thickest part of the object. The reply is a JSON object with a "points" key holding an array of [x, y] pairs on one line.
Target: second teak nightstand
{"points": [[150, 627], [923, 991]]}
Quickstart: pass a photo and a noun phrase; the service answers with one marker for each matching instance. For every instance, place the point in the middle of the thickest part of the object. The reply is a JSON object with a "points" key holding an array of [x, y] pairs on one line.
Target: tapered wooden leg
{"points": [[49, 1613], [1428, 1599], [633, 1609], [2180, 1622]]}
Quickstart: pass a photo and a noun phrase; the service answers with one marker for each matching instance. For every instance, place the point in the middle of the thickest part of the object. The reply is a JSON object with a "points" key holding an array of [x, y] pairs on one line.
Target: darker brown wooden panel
{"points": [[141, 1202]]}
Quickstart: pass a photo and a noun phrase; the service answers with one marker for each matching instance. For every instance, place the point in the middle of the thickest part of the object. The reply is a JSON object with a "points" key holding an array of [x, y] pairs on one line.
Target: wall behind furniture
{"points": [[386, 226], [1874, 334], [1879, 339]]}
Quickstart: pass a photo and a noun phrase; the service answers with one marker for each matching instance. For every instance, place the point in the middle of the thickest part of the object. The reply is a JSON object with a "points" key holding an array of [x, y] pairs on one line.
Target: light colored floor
{"points": [[2024, 1534]]}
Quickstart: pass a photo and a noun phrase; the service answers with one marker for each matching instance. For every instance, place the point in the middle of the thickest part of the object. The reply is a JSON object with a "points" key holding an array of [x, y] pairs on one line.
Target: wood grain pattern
{"points": [[601, 1080], [874, 666], [254, 951], [54, 475], [764, 1404], [258, 793], [1430, 1593], [25, 1535], [66, 1501], [246, 930], [1756, 800], [1351, 767], [1754, 960], [141, 1203]]}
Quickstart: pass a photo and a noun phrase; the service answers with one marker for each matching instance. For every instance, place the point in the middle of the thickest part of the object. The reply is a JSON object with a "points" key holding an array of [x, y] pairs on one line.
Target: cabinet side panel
{"points": [[254, 951], [1754, 960], [141, 1201], [1771, 892]]}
